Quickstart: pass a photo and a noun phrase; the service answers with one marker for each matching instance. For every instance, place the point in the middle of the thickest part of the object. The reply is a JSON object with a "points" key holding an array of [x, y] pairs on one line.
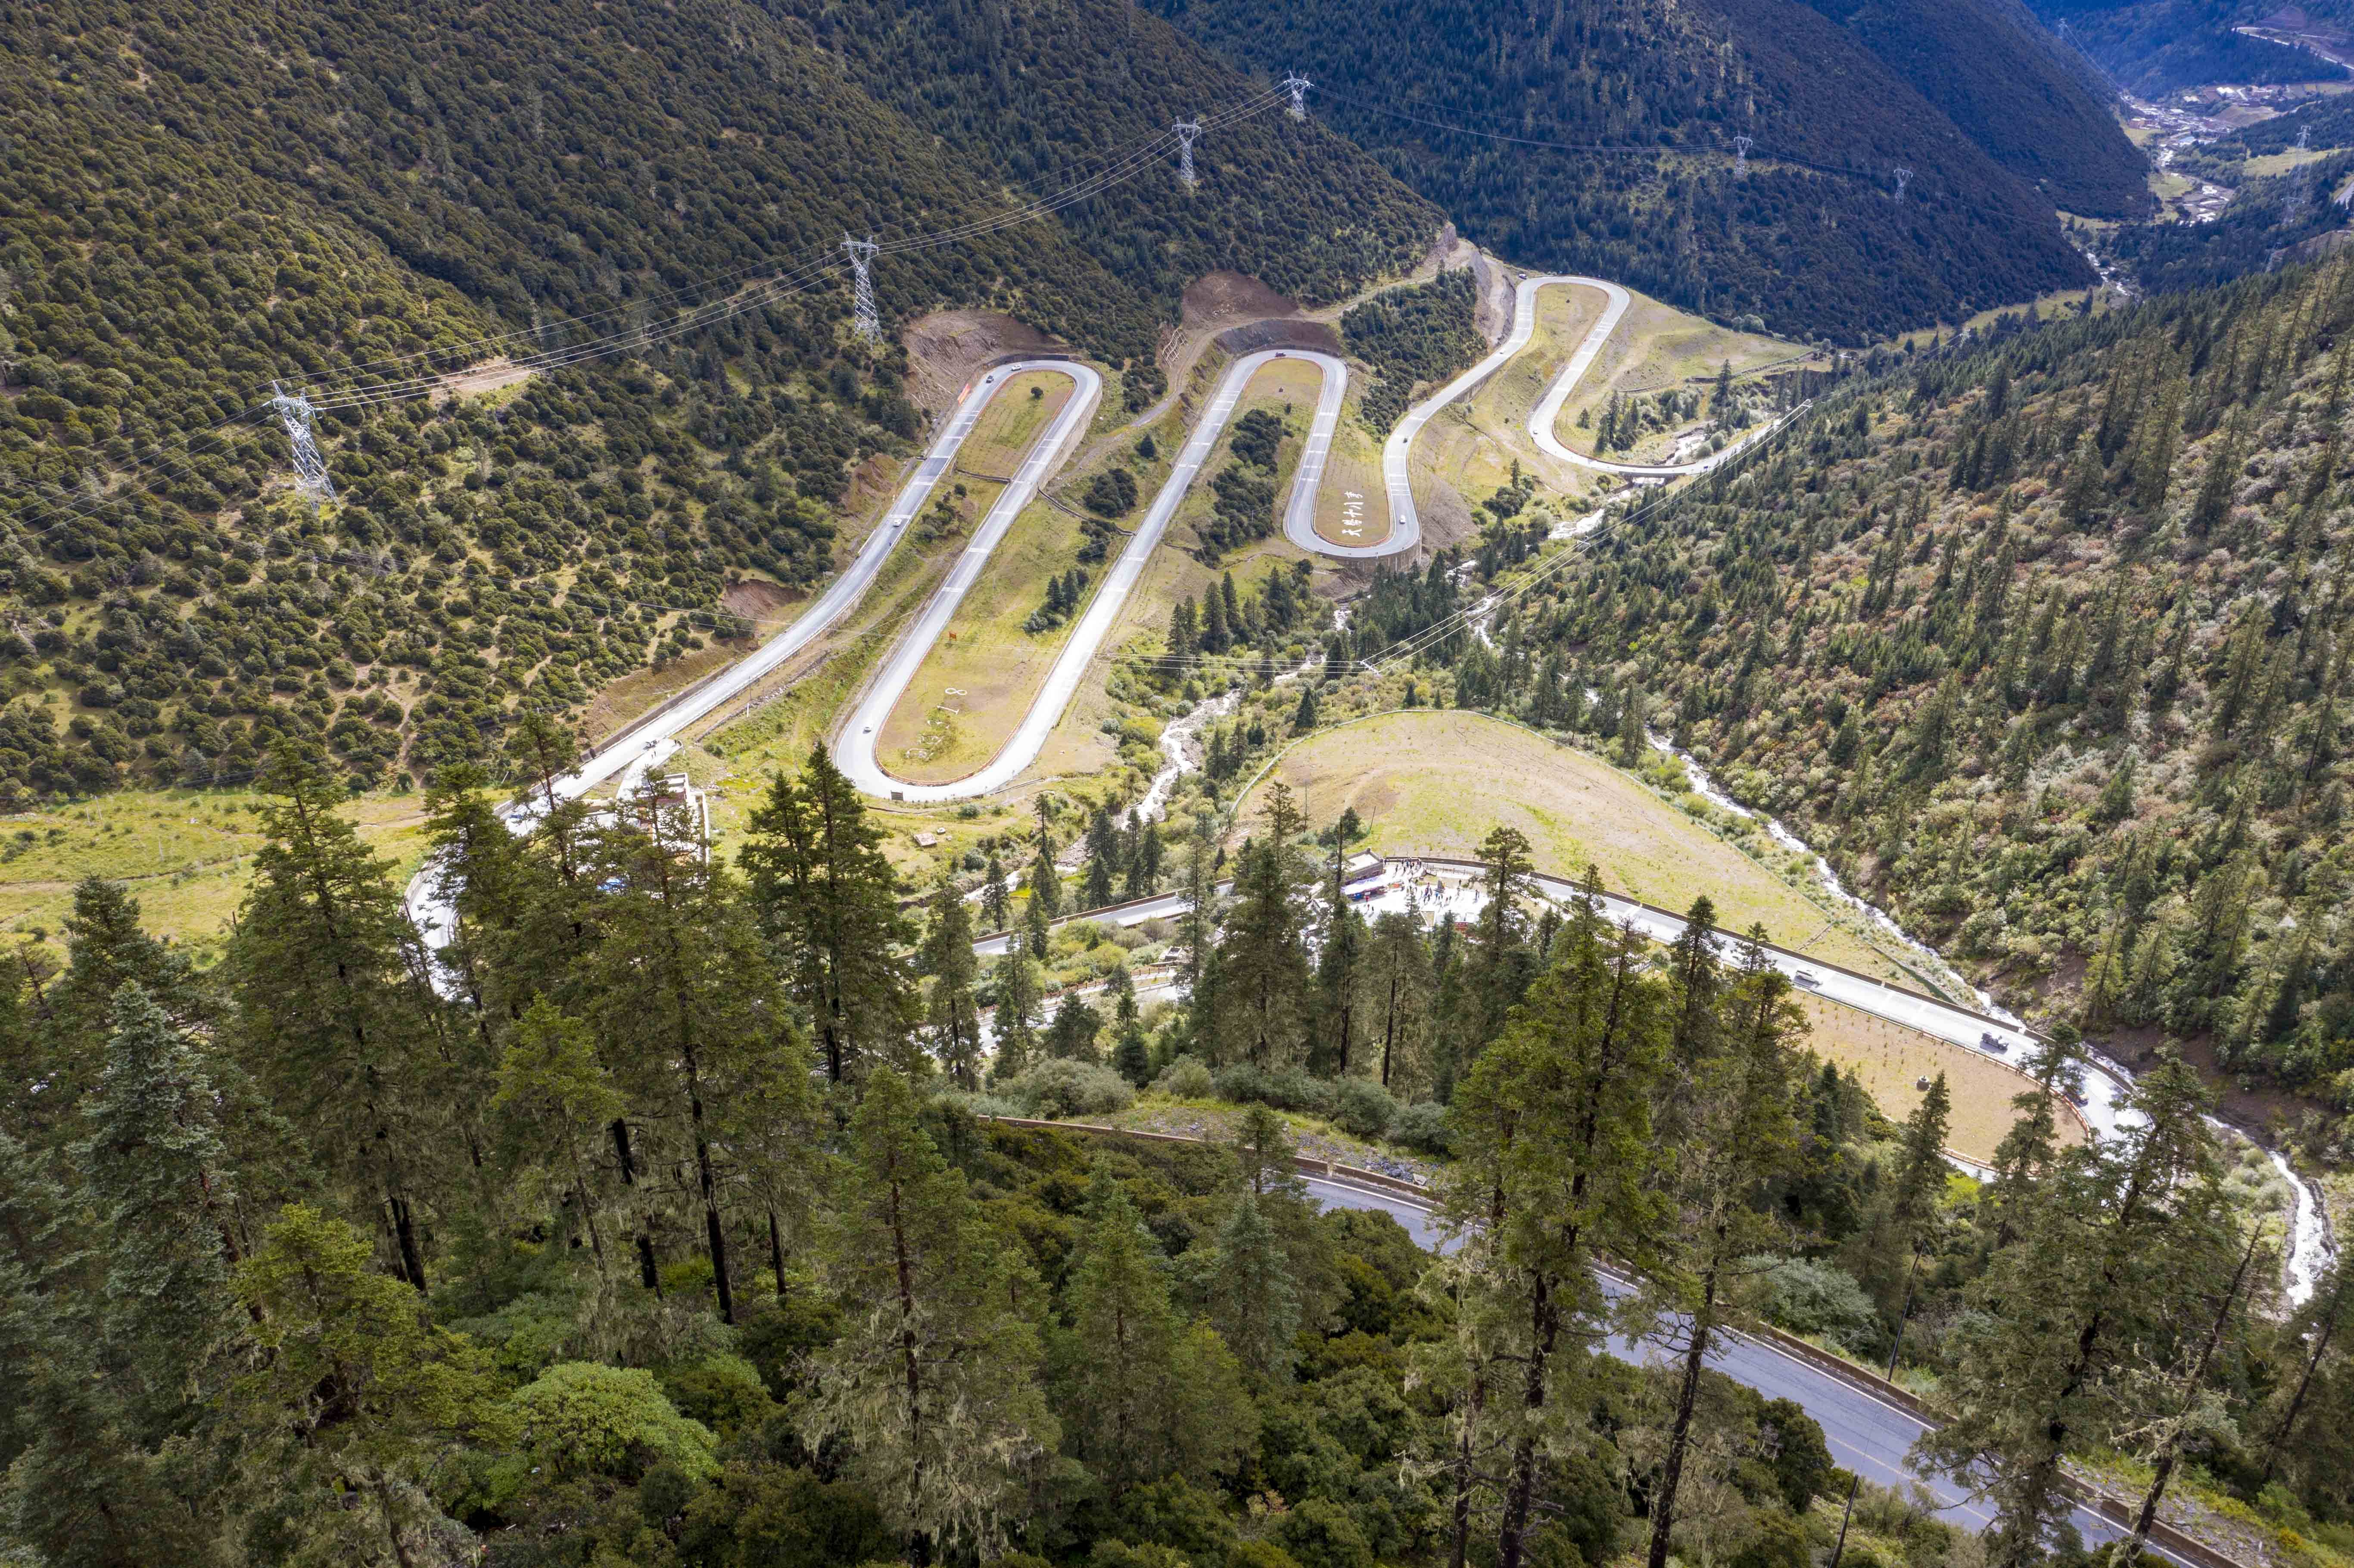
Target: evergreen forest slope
{"points": [[2009, 86], [2047, 646], [2154, 46], [1811, 252], [200, 199]]}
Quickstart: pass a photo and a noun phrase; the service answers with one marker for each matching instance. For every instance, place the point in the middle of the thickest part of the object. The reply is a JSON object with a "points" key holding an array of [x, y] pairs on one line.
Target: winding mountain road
{"points": [[855, 752]]}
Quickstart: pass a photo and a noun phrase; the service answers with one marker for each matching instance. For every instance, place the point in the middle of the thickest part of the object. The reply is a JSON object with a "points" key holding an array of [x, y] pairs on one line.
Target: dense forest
{"points": [[1661, 91], [2044, 642], [203, 200], [667, 1233], [2155, 46]]}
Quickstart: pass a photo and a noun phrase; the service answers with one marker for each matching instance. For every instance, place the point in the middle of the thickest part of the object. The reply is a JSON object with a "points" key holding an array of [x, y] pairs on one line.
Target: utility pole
{"points": [[864, 321], [1904, 177], [1741, 145], [311, 477], [1186, 131], [1298, 86]]}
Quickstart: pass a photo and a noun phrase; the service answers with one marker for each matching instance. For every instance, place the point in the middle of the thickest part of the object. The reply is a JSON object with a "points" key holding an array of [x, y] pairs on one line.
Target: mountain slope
{"points": [[2047, 646], [2155, 46], [2007, 85], [201, 199], [1664, 87]]}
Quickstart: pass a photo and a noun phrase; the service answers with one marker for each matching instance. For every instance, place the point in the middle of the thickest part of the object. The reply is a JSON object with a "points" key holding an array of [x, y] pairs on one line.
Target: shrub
{"points": [[1809, 1297], [1422, 1126], [1186, 1079], [582, 1418], [1319, 1533], [1288, 1090], [1363, 1108], [1063, 1088]]}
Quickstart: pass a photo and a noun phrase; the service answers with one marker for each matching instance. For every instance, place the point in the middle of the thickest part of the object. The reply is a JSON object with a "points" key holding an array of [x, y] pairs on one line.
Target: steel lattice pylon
{"points": [[1186, 131], [864, 319], [312, 479]]}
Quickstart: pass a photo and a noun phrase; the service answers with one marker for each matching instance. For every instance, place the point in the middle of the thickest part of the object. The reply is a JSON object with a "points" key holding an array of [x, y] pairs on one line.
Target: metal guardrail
{"points": [[1863, 1379]]}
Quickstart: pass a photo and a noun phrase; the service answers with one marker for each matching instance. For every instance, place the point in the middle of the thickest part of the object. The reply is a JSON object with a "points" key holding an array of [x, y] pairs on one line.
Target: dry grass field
{"points": [[1655, 347], [1470, 447], [1893, 1061], [187, 855], [1436, 782]]}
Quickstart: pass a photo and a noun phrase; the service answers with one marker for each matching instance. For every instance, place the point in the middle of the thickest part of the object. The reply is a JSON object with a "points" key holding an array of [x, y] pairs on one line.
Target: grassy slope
{"points": [[1437, 781], [973, 688], [1658, 346], [185, 854]]}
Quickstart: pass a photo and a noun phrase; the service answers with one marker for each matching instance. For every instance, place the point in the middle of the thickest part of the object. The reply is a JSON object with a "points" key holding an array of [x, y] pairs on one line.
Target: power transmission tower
{"points": [[864, 321], [2304, 132], [2292, 200], [1186, 131], [312, 480], [1741, 145], [1904, 177], [1298, 86]]}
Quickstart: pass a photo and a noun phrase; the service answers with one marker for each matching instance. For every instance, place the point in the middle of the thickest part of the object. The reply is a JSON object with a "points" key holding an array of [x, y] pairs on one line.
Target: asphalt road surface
{"points": [[854, 755], [1865, 1433]]}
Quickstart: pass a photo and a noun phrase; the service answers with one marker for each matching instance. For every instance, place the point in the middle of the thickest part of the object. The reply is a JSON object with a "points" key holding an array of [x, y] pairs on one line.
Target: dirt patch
{"points": [[491, 376], [1316, 336], [757, 598], [1218, 300], [945, 348], [1893, 1060]]}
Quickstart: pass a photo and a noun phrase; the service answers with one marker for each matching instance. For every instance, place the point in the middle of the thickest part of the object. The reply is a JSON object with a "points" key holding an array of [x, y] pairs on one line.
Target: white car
{"points": [[1806, 978]]}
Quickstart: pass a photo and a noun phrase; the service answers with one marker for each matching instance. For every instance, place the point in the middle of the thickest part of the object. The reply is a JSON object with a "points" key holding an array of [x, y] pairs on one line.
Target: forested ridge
{"points": [[2044, 644], [201, 199], [1813, 254], [670, 1235], [2153, 47]]}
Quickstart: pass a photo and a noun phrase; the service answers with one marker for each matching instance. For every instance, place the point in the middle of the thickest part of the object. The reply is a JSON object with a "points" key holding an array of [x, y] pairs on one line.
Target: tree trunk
{"points": [[2163, 1468], [1389, 1027], [2305, 1381], [649, 1274], [777, 1253], [1664, 1505], [1544, 1324], [1475, 1401], [404, 1231]]}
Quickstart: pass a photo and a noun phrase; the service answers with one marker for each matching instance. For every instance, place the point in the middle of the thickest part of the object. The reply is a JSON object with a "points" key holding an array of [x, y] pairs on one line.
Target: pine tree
{"points": [[996, 903], [2093, 1256], [330, 1019], [1497, 962], [1255, 1303], [946, 955], [1260, 1012], [687, 1006], [933, 1383], [828, 900], [359, 1392], [157, 1176], [554, 1099], [1145, 1396], [1554, 1157], [1741, 1136], [1045, 879], [1102, 857], [1015, 1025], [1394, 998], [1143, 857]]}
